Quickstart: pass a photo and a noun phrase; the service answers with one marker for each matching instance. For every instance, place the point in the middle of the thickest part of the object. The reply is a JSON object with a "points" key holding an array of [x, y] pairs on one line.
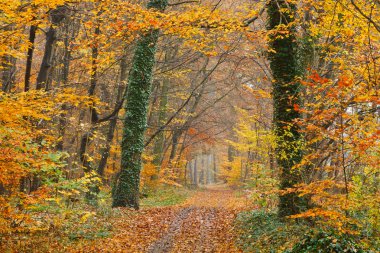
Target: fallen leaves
{"points": [[204, 223]]}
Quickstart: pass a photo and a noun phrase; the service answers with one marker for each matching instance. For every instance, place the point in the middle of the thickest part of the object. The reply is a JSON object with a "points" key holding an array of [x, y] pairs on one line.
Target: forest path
{"points": [[204, 223]]}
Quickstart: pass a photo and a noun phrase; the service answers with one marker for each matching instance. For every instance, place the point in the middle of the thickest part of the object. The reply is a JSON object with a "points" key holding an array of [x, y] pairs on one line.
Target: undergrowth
{"points": [[328, 242], [59, 224], [262, 232], [165, 196]]}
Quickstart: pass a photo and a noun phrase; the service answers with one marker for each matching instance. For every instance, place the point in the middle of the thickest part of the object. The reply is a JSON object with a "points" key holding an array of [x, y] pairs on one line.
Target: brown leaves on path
{"points": [[204, 223], [133, 233]]}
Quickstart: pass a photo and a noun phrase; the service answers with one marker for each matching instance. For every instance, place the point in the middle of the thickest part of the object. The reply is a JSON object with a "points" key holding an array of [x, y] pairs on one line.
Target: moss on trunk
{"points": [[285, 69], [126, 189]]}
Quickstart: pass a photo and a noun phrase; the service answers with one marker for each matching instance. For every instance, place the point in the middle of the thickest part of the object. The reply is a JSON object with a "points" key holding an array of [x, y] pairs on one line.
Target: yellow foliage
{"points": [[26, 146], [232, 172]]}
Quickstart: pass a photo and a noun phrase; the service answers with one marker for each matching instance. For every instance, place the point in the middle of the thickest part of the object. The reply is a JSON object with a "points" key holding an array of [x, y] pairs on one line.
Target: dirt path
{"points": [[204, 223], [165, 243]]}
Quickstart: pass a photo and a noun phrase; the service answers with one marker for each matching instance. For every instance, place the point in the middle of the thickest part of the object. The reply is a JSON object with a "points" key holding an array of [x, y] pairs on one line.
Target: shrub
{"points": [[262, 232], [327, 242]]}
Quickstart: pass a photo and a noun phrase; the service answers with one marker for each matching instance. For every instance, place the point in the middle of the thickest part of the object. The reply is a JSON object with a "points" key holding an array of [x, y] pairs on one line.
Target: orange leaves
{"points": [[203, 224], [200, 136], [192, 131], [317, 78], [149, 175], [154, 23], [341, 130], [345, 82], [128, 20], [317, 212], [133, 232], [330, 201]]}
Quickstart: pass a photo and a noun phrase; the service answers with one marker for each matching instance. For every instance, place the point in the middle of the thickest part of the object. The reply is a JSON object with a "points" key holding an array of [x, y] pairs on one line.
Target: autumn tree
{"points": [[56, 16], [126, 189], [286, 99]]}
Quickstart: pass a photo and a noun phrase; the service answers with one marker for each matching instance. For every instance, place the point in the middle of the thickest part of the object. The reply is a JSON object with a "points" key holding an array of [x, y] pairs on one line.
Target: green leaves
{"points": [[327, 242]]}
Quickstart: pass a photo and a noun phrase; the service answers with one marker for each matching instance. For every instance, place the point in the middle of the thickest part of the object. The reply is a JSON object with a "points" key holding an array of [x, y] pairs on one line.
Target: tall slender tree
{"points": [[105, 151], [126, 189], [56, 16], [8, 73], [286, 97], [29, 58]]}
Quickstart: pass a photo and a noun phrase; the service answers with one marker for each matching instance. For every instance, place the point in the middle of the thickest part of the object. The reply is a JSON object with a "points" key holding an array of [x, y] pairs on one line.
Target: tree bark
{"points": [[285, 69], [126, 189], [65, 78], [29, 58], [46, 60], [195, 179], [9, 71], [162, 112], [86, 137], [159, 143]]}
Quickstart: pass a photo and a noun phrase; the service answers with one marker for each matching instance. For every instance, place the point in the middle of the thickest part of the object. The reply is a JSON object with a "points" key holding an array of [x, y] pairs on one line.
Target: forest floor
{"points": [[203, 223]]}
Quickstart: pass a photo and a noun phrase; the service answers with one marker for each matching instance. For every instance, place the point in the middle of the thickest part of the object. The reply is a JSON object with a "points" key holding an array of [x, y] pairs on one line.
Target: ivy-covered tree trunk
{"points": [[286, 98], [126, 189]]}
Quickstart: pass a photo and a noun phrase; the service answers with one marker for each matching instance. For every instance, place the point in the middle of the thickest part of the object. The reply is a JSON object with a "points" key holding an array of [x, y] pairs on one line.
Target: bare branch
{"points": [[249, 21], [377, 27], [184, 2]]}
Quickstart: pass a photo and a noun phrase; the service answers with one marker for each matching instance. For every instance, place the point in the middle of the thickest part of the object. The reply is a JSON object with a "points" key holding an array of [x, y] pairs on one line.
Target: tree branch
{"points": [[192, 94], [184, 2], [249, 21], [377, 27]]}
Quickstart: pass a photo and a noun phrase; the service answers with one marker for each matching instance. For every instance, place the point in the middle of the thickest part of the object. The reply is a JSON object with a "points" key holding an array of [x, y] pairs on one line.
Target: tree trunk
{"points": [[159, 143], [8, 68], [162, 112], [195, 179], [29, 57], [105, 152], [9, 71], [46, 60], [214, 168], [126, 190], [86, 137], [176, 135], [65, 78], [283, 63], [56, 16]]}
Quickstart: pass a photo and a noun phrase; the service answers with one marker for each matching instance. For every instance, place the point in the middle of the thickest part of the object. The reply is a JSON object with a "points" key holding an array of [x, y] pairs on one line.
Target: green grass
{"points": [[166, 196], [263, 232]]}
